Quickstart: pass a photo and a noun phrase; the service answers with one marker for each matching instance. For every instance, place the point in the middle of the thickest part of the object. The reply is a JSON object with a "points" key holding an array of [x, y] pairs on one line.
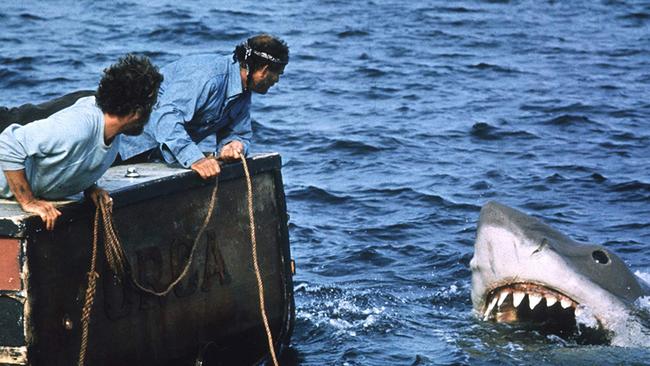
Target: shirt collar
{"points": [[234, 81]]}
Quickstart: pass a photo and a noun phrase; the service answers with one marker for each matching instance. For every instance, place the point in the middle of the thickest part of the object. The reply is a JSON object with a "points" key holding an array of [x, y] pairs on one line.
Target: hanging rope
{"points": [[120, 266], [117, 259], [260, 285], [90, 294]]}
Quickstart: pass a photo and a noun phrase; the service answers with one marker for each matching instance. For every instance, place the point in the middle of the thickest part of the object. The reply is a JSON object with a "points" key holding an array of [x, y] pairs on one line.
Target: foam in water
{"points": [[643, 303], [632, 329], [585, 316], [644, 276], [334, 309]]}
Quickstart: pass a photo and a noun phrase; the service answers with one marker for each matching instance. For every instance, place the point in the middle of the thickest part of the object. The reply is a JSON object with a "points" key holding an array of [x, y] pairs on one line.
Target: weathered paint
{"points": [[12, 331], [10, 251], [13, 355]]}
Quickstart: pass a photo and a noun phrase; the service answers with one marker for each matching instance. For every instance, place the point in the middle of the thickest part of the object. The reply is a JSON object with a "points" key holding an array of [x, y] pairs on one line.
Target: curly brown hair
{"points": [[130, 85]]}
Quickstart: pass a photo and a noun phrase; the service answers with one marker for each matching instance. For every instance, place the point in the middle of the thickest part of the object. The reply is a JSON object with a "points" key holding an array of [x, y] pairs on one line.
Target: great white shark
{"points": [[525, 271]]}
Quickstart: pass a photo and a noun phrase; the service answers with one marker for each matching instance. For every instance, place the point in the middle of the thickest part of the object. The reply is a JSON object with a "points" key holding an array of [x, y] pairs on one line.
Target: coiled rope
{"points": [[120, 266]]}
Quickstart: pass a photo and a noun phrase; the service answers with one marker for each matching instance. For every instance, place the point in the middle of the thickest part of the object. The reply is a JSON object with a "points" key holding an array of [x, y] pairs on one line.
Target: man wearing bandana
{"points": [[203, 110]]}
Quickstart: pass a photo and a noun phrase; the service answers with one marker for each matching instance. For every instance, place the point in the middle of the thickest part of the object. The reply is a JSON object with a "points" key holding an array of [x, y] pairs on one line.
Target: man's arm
{"points": [[17, 181], [171, 133], [175, 138], [17, 143], [236, 142], [36, 140], [182, 99]]}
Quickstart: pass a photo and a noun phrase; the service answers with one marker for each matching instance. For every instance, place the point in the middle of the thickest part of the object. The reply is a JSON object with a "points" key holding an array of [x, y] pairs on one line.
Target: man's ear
{"points": [[137, 112], [264, 70]]}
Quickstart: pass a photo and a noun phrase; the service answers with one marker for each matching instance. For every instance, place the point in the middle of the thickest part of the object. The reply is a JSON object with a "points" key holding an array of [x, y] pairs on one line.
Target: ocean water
{"points": [[396, 121]]}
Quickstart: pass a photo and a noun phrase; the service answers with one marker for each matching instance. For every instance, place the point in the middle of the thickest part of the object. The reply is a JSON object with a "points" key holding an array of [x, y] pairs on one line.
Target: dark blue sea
{"points": [[396, 122]]}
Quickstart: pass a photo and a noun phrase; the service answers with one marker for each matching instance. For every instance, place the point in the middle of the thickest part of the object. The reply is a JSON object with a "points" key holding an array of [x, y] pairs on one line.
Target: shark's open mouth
{"points": [[529, 302]]}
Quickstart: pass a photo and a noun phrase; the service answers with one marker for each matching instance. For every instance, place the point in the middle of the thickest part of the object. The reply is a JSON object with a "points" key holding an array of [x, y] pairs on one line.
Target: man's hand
{"points": [[44, 209], [207, 167], [96, 194], [232, 151], [19, 186]]}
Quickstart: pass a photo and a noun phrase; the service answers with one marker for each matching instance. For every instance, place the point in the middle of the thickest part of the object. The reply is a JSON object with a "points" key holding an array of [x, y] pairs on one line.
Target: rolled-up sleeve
{"points": [[173, 137], [13, 148], [17, 143]]}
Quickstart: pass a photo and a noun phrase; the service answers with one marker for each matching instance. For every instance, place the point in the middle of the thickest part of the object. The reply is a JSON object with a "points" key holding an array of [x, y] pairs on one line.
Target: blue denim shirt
{"points": [[201, 107]]}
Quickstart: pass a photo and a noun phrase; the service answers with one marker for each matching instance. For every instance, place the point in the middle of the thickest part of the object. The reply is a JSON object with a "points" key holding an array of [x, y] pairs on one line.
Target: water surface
{"points": [[396, 121]]}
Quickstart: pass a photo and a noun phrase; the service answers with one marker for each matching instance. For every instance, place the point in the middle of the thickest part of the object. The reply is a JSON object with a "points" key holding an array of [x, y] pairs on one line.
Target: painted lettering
{"points": [[155, 267], [180, 253], [214, 265]]}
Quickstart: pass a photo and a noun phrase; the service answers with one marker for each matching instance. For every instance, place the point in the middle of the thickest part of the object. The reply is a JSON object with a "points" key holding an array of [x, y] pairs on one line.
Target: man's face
{"points": [[136, 125], [264, 79]]}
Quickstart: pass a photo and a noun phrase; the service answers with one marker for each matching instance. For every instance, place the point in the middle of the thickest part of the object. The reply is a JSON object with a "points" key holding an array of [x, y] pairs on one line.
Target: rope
{"points": [[90, 294], [260, 285], [119, 264]]}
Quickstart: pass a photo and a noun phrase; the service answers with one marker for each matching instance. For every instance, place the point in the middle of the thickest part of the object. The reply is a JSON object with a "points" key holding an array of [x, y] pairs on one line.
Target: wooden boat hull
{"points": [[157, 220]]}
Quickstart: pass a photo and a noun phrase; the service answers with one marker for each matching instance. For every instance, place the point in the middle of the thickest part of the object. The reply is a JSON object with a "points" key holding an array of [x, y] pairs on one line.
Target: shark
{"points": [[524, 271]]}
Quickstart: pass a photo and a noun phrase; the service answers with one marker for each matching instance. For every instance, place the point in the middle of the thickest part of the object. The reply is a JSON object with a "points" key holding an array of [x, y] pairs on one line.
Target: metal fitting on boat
{"points": [[67, 322], [132, 172]]}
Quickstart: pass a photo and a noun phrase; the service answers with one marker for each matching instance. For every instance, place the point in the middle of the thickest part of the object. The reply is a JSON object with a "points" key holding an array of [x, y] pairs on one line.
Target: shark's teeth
{"points": [[517, 297], [533, 300], [489, 309], [565, 303], [550, 300], [502, 297], [500, 310], [579, 311]]}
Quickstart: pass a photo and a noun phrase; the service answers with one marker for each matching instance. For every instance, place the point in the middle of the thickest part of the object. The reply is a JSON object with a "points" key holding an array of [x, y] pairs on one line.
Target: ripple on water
{"points": [[487, 132], [632, 191], [316, 194]]}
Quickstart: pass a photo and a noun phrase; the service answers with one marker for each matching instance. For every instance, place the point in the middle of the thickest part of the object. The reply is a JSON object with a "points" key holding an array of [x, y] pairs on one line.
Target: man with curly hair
{"points": [[203, 106], [70, 150]]}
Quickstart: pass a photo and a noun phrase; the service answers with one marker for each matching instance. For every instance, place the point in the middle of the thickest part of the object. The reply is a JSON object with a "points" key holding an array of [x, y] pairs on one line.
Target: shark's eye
{"points": [[600, 257]]}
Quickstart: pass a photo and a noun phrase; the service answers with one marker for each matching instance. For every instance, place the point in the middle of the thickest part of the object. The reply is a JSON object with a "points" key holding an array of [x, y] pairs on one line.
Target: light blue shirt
{"points": [[62, 155], [201, 107]]}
